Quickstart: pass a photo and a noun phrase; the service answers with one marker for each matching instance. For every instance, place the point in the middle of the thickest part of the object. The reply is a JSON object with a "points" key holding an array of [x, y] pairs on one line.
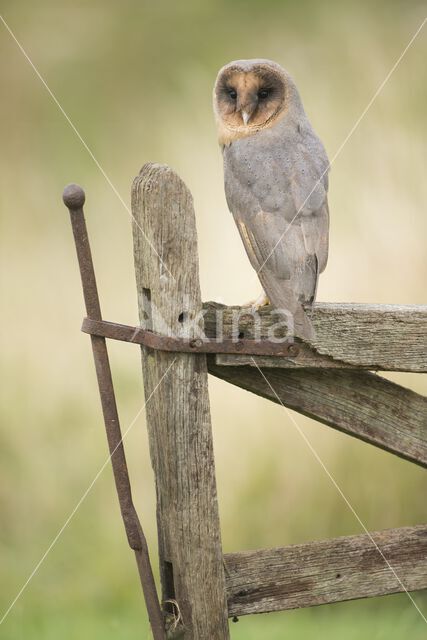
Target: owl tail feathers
{"points": [[284, 300], [303, 327]]}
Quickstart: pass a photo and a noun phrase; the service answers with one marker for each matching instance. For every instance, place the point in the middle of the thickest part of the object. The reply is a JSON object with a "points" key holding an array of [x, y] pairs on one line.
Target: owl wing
{"points": [[280, 208], [309, 186], [278, 253]]}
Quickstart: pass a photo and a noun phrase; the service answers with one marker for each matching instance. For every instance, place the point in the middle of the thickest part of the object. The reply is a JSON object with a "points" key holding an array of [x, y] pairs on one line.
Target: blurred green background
{"points": [[136, 80]]}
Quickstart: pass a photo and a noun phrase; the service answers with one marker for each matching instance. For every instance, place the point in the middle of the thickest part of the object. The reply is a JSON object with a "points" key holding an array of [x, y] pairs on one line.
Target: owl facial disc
{"points": [[249, 93]]}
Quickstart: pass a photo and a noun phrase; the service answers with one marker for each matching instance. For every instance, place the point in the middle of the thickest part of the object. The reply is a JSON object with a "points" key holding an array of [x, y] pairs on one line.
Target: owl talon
{"points": [[261, 301]]}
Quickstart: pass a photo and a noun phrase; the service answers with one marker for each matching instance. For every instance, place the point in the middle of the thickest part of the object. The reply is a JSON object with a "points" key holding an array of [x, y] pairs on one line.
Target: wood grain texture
{"points": [[358, 403], [333, 570], [365, 336], [178, 414]]}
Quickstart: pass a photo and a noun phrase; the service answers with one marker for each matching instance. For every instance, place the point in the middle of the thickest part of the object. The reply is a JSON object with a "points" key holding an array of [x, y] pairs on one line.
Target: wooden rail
{"points": [[362, 336], [345, 568], [358, 403]]}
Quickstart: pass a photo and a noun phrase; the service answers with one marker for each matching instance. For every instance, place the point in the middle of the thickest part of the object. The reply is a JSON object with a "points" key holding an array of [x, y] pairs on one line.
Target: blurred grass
{"points": [[136, 79], [124, 621]]}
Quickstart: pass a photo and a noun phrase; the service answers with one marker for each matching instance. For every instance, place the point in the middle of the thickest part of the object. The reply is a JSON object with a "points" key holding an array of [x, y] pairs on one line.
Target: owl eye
{"points": [[263, 94], [232, 93]]}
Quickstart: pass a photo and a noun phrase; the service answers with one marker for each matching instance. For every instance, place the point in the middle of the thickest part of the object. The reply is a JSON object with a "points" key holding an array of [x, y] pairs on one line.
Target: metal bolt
{"points": [[293, 350]]}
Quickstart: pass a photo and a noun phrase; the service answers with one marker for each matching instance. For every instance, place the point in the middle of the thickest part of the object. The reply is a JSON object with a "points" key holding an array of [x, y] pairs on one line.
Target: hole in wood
{"points": [[338, 575], [146, 307], [241, 335], [182, 316], [169, 586]]}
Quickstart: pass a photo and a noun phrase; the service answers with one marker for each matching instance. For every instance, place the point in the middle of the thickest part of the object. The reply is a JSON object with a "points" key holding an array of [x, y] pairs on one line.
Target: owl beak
{"points": [[246, 116]]}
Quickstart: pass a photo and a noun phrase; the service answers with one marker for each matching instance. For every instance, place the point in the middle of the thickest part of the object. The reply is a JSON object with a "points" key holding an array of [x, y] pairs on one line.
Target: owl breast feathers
{"points": [[276, 183]]}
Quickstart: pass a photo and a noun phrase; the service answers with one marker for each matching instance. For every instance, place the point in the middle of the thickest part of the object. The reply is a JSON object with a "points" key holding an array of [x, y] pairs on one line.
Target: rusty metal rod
{"points": [[74, 198]]}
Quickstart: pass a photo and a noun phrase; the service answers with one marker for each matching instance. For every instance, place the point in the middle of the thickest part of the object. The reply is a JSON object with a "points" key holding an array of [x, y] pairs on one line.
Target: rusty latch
{"points": [[138, 335]]}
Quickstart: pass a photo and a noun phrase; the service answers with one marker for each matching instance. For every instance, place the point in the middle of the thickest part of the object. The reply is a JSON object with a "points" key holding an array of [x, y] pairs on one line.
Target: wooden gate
{"points": [[331, 380]]}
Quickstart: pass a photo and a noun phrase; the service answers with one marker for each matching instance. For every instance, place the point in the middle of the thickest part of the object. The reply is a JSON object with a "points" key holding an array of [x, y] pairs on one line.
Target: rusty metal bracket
{"points": [[153, 340], [74, 198]]}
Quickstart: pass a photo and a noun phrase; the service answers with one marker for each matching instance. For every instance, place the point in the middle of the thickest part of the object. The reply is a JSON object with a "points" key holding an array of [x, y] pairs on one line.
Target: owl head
{"points": [[250, 95]]}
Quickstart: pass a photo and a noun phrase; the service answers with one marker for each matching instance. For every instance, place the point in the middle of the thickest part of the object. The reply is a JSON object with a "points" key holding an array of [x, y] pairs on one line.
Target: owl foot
{"points": [[261, 301]]}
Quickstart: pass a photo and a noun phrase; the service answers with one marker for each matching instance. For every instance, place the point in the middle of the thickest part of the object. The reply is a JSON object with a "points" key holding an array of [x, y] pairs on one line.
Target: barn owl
{"points": [[276, 182]]}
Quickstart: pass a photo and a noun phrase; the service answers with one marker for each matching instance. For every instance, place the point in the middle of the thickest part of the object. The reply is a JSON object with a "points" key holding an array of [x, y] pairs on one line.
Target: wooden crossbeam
{"points": [[363, 336], [358, 403], [329, 571]]}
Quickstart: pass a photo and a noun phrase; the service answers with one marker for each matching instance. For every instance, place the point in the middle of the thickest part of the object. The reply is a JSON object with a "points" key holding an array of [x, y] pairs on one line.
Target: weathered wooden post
{"points": [[178, 415]]}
